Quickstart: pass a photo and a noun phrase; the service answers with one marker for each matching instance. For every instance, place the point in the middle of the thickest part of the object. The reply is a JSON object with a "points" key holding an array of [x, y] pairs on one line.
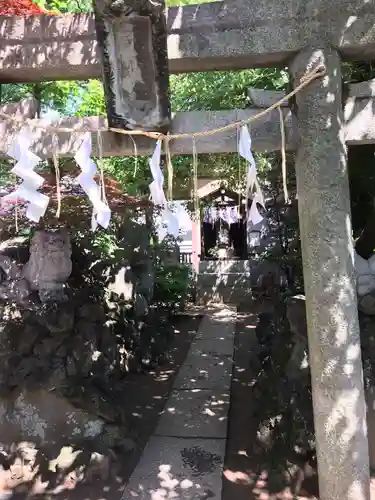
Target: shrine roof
{"points": [[221, 191]]}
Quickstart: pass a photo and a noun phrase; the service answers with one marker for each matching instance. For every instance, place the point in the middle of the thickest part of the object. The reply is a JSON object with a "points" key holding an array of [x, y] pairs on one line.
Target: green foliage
{"points": [[172, 285], [173, 281], [14, 92], [62, 6], [221, 89], [91, 99], [132, 173], [62, 96], [104, 244]]}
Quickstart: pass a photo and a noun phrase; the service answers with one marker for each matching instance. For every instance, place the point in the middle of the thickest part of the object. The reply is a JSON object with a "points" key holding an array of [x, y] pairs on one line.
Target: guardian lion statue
{"points": [[50, 264]]}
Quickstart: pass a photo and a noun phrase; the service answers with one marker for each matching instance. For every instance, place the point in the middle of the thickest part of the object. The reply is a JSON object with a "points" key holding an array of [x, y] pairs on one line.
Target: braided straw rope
{"points": [[305, 80]]}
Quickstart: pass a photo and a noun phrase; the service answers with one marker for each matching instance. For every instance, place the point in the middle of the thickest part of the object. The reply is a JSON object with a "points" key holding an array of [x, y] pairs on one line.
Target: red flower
{"points": [[20, 8]]}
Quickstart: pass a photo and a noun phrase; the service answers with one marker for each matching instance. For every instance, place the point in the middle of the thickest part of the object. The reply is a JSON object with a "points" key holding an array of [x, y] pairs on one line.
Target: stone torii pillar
{"points": [[328, 264]]}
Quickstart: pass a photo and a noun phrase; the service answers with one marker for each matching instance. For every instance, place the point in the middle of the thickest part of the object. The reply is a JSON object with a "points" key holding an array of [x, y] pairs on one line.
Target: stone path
{"points": [[184, 457]]}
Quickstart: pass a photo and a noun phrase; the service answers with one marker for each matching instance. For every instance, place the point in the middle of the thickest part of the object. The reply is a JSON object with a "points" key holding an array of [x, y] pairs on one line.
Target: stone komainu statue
{"points": [[50, 263]]}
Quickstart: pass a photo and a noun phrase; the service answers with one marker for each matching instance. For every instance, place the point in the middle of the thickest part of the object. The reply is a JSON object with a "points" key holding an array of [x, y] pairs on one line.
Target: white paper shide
{"points": [[31, 181], [101, 212], [167, 218], [252, 184]]}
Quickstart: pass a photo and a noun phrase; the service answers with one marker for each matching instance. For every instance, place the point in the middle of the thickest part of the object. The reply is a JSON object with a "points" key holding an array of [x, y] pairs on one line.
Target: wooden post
{"points": [[196, 243], [328, 265]]}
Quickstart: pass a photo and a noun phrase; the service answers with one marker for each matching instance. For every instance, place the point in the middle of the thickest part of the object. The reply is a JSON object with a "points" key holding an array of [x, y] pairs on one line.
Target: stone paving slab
{"points": [[213, 310], [223, 346], [215, 329], [197, 413], [205, 371], [178, 469], [209, 362], [184, 458]]}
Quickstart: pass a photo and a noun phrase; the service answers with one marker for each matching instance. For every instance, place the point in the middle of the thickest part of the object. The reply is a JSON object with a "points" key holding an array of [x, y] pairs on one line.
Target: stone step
{"points": [[227, 280], [226, 288], [224, 266], [236, 295]]}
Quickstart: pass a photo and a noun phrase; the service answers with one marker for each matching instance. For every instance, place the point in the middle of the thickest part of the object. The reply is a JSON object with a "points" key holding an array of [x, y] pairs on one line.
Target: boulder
{"points": [[362, 265], [12, 287], [366, 304], [371, 263], [11, 270], [14, 291], [365, 284], [46, 419]]}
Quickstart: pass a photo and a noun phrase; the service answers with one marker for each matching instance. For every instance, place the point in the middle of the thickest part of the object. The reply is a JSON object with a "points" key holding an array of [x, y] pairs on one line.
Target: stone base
{"points": [[227, 282], [224, 266]]}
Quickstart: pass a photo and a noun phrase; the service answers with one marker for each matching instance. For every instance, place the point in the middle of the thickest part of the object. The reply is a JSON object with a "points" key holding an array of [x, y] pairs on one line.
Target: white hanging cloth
{"points": [[24, 168], [101, 213], [252, 184], [168, 219]]}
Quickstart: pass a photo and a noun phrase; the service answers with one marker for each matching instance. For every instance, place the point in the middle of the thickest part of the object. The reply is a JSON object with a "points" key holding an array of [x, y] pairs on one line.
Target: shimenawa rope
{"points": [[305, 80]]}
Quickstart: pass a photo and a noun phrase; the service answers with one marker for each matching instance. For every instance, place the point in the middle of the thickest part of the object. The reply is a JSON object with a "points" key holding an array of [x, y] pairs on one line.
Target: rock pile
{"points": [[61, 365], [62, 392], [65, 349]]}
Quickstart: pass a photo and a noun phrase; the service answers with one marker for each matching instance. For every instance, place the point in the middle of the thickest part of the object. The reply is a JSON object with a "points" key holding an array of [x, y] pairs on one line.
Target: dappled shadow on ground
{"points": [[257, 466], [64, 473], [184, 457], [181, 469], [270, 449]]}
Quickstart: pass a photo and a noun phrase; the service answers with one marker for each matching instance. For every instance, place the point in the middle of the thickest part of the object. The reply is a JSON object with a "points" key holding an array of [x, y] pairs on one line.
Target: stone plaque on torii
{"points": [[132, 38], [299, 34]]}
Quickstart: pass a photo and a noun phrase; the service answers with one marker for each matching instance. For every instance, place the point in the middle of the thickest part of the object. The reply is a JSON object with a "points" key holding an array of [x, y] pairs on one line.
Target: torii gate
{"points": [[300, 34]]}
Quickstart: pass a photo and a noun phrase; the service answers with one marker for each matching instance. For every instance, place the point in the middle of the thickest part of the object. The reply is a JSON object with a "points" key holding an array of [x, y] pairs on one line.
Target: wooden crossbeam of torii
{"points": [[259, 33]]}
